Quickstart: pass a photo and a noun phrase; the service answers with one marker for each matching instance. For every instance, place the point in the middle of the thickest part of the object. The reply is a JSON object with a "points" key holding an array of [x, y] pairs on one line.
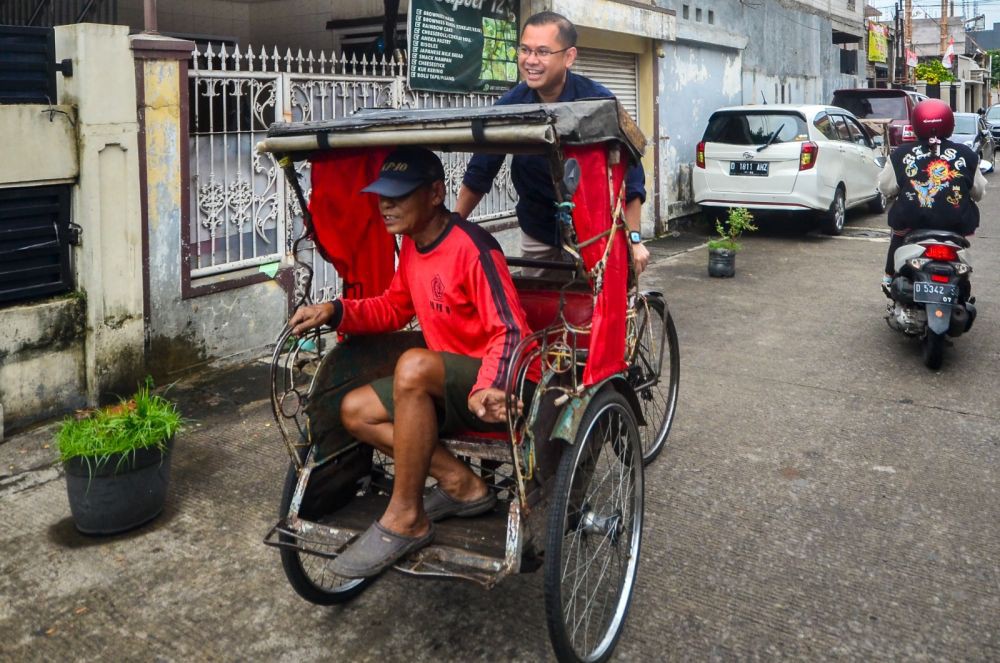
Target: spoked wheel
{"points": [[310, 575], [656, 350], [933, 350], [594, 532]]}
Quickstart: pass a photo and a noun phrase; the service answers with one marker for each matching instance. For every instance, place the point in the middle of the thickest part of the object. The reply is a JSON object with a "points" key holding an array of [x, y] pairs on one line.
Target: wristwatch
{"points": [[635, 237]]}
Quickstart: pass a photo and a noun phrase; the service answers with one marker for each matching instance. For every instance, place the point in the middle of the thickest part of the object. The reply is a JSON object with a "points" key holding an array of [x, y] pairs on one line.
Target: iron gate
{"points": [[242, 214]]}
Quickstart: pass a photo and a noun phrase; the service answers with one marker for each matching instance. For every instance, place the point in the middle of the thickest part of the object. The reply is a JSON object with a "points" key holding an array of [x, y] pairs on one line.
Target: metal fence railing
{"points": [[241, 212]]}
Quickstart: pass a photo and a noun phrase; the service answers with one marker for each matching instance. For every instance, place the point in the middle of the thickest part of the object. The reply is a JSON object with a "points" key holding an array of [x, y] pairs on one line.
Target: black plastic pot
{"points": [[119, 495], [721, 263]]}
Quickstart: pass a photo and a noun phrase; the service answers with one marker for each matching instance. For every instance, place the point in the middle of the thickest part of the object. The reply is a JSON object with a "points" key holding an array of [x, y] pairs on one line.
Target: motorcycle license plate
{"points": [[758, 168], [934, 293]]}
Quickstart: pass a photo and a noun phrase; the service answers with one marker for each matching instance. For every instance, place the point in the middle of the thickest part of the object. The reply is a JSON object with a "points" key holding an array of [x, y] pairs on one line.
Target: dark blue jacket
{"points": [[530, 174]]}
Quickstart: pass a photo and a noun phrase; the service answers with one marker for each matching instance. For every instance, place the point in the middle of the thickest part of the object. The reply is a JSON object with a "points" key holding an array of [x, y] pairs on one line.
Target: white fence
{"points": [[243, 214]]}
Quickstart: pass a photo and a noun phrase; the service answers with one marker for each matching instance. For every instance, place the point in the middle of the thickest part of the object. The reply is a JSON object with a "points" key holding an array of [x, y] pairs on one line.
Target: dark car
{"points": [[992, 117], [882, 104], [971, 130]]}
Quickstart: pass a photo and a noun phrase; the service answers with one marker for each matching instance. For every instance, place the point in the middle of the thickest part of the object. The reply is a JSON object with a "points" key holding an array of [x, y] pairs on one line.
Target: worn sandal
{"points": [[376, 550], [440, 505]]}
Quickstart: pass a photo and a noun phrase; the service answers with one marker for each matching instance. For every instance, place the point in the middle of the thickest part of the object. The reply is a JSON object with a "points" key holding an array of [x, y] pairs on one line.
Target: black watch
{"points": [[635, 237]]}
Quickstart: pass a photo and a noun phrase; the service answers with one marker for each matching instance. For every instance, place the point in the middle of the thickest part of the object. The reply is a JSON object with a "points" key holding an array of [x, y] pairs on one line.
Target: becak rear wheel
{"points": [[309, 574], [594, 532]]}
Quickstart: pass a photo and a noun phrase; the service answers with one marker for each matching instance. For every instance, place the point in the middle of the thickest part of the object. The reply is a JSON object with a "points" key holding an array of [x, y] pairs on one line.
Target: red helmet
{"points": [[932, 118]]}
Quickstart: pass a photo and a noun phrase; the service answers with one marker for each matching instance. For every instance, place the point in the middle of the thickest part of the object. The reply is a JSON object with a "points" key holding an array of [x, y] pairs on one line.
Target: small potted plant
{"points": [[722, 250], [117, 462]]}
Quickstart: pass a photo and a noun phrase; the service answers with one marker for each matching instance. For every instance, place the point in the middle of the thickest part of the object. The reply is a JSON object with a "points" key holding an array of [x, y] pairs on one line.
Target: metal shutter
{"points": [[619, 72], [27, 65], [34, 242]]}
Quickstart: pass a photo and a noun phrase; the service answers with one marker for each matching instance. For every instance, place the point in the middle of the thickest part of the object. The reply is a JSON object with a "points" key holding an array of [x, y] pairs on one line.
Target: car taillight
{"points": [[908, 133], [941, 252], [700, 156], [807, 155]]}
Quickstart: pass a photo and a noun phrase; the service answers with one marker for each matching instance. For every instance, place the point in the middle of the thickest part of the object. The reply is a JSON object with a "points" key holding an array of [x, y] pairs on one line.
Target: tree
{"points": [[995, 72], [933, 72]]}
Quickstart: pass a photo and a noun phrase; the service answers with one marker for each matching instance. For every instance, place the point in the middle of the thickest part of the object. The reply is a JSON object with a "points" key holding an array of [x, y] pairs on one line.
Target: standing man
{"points": [[544, 57]]}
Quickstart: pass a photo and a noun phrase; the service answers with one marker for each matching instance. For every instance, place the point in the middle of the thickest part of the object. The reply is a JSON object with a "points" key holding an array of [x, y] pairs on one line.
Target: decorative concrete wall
{"points": [[187, 326]]}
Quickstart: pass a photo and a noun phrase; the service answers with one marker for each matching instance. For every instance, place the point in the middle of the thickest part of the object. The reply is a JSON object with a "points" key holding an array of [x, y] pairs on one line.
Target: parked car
{"points": [[971, 130], [993, 120], [788, 157], [878, 103]]}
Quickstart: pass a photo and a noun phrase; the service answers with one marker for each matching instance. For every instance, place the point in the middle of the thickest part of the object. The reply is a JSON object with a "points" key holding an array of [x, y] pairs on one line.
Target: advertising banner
{"points": [[878, 42], [463, 45]]}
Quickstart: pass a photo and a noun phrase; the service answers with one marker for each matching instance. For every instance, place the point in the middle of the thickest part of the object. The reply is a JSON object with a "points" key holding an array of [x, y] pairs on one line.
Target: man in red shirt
{"points": [[452, 275]]}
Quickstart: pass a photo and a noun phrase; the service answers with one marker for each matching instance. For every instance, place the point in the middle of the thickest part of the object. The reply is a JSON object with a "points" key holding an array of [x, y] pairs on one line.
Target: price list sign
{"points": [[463, 45]]}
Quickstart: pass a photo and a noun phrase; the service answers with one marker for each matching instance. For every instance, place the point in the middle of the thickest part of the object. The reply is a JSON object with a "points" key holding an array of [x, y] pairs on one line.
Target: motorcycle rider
{"points": [[937, 181]]}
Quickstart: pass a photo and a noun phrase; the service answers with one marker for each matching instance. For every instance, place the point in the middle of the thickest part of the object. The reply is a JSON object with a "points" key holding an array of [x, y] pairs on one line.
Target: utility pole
{"points": [[944, 25], [894, 76], [907, 38]]}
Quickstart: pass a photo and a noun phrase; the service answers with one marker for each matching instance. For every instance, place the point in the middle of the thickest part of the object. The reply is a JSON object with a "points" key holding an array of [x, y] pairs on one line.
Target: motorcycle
{"points": [[930, 290]]}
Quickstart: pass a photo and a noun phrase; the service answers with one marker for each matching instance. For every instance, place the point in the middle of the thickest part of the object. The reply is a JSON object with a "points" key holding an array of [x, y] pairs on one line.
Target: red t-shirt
{"points": [[461, 291]]}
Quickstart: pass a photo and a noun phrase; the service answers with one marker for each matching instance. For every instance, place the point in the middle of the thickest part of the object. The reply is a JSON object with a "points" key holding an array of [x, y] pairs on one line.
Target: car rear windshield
{"points": [[755, 127], [872, 105], [965, 124]]}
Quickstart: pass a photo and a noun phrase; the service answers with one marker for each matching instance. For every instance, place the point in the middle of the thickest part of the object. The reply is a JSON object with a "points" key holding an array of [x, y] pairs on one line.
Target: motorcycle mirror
{"points": [[571, 177], [985, 166]]}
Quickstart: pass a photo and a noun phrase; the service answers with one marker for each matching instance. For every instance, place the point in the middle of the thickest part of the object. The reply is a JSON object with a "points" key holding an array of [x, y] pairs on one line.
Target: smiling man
{"points": [[452, 275], [544, 58]]}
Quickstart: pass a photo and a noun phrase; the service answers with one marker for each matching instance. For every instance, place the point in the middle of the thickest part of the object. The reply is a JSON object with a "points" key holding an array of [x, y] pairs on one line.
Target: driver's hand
{"points": [[310, 317], [640, 257], [490, 405]]}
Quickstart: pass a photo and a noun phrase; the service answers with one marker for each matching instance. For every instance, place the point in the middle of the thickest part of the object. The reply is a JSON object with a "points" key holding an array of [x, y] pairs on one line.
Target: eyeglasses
{"points": [[542, 53]]}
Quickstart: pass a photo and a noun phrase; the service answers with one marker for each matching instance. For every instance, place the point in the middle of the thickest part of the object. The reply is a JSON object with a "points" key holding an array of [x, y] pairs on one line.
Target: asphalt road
{"points": [[823, 497]]}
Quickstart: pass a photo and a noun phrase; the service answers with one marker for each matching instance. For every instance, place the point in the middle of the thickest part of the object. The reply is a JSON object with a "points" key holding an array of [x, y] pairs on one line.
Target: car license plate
{"points": [[934, 293], [758, 168]]}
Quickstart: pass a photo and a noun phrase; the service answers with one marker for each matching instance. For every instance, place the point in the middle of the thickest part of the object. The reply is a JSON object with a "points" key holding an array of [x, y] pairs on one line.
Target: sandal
{"points": [[376, 550], [440, 505]]}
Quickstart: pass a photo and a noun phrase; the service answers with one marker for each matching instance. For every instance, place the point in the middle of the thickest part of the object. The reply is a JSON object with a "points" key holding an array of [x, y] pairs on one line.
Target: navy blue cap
{"points": [[405, 169]]}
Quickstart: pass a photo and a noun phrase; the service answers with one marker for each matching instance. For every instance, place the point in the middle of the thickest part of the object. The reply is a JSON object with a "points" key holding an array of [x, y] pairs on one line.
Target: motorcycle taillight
{"points": [[941, 252]]}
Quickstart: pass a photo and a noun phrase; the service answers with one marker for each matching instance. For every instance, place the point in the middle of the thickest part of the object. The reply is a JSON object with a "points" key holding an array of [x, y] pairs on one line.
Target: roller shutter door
{"points": [[619, 72]]}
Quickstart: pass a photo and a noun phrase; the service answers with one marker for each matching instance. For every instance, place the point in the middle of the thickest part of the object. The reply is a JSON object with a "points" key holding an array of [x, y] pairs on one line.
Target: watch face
{"points": [[635, 237]]}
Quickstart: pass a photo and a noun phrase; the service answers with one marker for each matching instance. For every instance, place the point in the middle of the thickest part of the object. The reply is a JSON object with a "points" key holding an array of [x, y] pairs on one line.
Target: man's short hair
{"points": [[567, 31]]}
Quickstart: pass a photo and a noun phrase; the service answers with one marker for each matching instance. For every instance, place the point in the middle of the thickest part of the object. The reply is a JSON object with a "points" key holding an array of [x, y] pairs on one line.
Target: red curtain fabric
{"points": [[347, 224], [595, 200]]}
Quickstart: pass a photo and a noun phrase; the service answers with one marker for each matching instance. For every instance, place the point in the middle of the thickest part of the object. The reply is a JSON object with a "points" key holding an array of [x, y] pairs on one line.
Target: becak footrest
{"points": [[472, 549]]}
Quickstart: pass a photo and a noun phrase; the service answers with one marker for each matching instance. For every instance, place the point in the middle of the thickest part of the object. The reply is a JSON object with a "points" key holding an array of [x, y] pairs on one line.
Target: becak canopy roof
{"points": [[516, 128]]}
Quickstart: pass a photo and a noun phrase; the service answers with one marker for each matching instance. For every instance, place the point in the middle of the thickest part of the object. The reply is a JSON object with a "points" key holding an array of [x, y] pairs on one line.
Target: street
{"points": [[823, 496]]}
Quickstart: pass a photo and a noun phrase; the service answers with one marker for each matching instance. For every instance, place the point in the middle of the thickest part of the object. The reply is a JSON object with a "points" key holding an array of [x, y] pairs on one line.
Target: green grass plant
{"points": [[143, 421]]}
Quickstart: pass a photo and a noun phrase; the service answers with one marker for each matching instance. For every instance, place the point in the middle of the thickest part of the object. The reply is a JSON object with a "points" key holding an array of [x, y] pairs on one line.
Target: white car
{"points": [[788, 157]]}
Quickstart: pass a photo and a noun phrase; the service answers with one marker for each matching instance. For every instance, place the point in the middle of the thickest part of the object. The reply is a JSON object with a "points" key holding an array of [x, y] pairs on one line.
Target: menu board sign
{"points": [[463, 45]]}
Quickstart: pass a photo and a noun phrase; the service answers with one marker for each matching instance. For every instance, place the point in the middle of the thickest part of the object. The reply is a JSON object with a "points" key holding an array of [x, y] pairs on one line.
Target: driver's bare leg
{"points": [[418, 380]]}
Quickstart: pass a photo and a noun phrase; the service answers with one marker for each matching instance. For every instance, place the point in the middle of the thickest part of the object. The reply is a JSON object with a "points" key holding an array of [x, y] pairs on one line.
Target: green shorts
{"points": [[453, 414]]}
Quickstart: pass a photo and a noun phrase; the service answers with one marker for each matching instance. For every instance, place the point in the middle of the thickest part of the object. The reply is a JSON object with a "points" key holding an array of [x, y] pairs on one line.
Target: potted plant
{"points": [[722, 250], [117, 462]]}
